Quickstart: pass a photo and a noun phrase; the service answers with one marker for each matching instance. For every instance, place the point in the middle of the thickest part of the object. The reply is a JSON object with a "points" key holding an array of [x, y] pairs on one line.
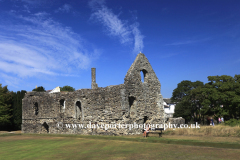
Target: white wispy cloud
{"points": [[26, 9], [168, 55], [138, 37], [65, 8], [182, 43], [127, 34], [39, 46], [10, 80], [41, 14]]}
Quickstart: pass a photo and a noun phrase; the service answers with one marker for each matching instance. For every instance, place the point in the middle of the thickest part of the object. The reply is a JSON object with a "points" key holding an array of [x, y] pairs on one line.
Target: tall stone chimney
{"points": [[94, 84]]}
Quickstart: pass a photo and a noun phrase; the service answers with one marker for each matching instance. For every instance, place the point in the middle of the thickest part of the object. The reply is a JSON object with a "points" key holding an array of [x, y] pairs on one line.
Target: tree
{"points": [[181, 91], [219, 97], [5, 107], [39, 89], [67, 88], [187, 97], [184, 89], [183, 110], [223, 94], [17, 109], [236, 99]]}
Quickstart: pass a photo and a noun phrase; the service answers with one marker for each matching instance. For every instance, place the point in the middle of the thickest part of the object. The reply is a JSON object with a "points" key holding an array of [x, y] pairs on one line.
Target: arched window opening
{"points": [[78, 110], [45, 127], [132, 107], [36, 108], [131, 100], [62, 105], [143, 74], [145, 118]]}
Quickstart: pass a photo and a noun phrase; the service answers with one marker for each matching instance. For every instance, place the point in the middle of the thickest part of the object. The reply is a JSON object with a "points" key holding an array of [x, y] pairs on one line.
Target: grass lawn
{"points": [[26, 146]]}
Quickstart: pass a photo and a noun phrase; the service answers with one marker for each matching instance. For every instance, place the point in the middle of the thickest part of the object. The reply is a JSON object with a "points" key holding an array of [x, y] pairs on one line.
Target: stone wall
{"points": [[177, 121], [132, 102]]}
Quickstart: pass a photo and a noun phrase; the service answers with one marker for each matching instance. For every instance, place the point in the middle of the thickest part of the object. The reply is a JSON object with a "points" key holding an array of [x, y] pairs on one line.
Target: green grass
{"points": [[163, 140], [28, 146]]}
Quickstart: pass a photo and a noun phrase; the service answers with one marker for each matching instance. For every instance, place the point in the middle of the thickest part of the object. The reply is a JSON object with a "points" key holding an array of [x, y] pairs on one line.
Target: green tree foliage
{"points": [[186, 97], [181, 91], [223, 95], [39, 89], [219, 97], [67, 88], [184, 89], [183, 109], [236, 99], [5, 107], [17, 109]]}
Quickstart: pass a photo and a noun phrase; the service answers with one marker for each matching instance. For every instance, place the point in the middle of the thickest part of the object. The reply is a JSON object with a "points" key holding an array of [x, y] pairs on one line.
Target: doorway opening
{"points": [[45, 127], [36, 108], [145, 118], [62, 105], [78, 110]]}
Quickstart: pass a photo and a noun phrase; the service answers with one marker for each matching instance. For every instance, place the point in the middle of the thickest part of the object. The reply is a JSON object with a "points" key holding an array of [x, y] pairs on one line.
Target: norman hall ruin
{"points": [[132, 102]]}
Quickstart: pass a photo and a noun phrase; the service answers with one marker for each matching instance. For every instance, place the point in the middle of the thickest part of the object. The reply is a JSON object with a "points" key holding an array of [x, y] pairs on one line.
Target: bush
{"points": [[67, 88], [232, 122], [39, 89]]}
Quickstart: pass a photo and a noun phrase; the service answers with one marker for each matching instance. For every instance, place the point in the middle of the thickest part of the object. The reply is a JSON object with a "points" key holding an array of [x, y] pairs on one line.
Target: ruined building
{"points": [[132, 102]]}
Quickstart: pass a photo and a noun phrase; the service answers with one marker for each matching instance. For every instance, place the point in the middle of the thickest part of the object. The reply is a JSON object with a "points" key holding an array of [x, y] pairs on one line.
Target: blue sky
{"points": [[54, 43]]}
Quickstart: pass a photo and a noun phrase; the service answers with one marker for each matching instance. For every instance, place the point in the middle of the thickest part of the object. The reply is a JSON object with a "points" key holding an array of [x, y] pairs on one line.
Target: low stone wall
{"points": [[177, 121]]}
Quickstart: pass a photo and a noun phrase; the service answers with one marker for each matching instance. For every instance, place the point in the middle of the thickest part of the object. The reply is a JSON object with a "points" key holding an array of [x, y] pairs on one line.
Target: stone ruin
{"points": [[134, 102]]}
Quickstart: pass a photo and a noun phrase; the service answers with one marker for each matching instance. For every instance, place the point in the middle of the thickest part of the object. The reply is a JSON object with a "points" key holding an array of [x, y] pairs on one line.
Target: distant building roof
{"points": [[166, 106], [55, 90], [167, 100]]}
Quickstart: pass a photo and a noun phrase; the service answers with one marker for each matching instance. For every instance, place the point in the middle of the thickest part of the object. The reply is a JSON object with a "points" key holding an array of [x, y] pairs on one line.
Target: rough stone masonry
{"points": [[132, 102]]}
